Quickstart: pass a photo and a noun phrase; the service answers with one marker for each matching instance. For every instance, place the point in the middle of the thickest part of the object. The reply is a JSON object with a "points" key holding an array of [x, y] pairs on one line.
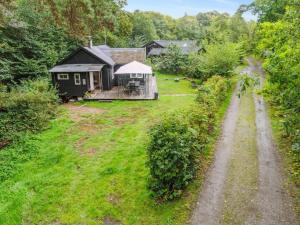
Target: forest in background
{"points": [[36, 34]]}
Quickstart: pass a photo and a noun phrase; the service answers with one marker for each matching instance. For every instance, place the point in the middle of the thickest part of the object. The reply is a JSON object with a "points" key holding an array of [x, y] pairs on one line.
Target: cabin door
{"points": [[98, 80]]}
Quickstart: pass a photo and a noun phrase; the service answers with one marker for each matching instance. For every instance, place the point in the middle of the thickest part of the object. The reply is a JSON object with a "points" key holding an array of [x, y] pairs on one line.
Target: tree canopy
{"points": [[36, 34], [278, 42]]}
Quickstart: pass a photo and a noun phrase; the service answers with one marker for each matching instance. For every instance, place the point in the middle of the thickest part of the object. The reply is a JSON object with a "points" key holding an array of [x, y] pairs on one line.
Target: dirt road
{"points": [[245, 183]]}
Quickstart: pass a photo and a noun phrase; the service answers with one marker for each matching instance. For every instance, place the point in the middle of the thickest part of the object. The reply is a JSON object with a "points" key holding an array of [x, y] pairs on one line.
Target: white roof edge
{"points": [[134, 67], [64, 68]]}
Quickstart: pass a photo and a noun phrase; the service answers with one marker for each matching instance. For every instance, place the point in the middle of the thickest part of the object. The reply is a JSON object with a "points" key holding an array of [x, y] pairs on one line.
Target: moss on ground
{"points": [[242, 178]]}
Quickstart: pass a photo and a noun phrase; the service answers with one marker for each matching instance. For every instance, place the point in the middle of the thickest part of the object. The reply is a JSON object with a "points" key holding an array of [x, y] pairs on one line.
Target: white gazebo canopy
{"points": [[134, 68]]}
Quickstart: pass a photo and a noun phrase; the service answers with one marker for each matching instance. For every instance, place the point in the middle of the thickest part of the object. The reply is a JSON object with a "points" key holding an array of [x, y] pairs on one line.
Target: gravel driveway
{"points": [[245, 183]]}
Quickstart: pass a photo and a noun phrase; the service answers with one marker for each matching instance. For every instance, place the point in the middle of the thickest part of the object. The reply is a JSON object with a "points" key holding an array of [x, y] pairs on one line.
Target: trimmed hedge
{"points": [[177, 141]]}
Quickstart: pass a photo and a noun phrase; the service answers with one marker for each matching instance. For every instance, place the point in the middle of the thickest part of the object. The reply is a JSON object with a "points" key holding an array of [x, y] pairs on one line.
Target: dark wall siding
{"points": [[68, 87], [107, 78], [115, 80], [82, 57]]}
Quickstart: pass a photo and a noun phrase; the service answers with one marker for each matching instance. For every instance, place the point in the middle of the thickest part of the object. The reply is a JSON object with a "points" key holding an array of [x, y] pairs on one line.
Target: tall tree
{"points": [[143, 26], [31, 43], [188, 27], [278, 43], [269, 10]]}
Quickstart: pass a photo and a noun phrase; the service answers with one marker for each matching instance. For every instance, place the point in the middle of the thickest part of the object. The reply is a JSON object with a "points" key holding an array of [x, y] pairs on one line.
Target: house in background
{"points": [[89, 72], [160, 47]]}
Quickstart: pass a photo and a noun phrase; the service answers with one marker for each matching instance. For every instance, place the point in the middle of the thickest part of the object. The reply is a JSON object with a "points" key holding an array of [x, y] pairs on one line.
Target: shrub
{"points": [[202, 116], [176, 142], [172, 62], [211, 95], [217, 87], [193, 66], [172, 157], [201, 122], [218, 59], [26, 108]]}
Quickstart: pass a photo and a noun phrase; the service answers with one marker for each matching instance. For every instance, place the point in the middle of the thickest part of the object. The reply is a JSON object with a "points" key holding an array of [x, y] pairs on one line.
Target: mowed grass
{"points": [[91, 169], [167, 85]]}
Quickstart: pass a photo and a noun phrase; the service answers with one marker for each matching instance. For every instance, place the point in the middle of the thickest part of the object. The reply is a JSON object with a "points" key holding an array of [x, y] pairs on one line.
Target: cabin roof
{"points": [[76, 68], [184, 43], [187, 46], [134, 68], [157, 51], [108, 55], [103, 46], [125, 55], [100, 54]]}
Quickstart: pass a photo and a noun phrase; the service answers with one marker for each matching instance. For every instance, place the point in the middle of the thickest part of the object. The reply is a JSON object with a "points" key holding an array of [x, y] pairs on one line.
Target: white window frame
{"points": [[136, 75], [77, 79], [63, 76]]}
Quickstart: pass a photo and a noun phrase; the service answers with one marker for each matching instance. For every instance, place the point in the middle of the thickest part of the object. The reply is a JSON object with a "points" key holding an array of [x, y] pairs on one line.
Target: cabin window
{"points": [[136, 75], [63, 76], [77, 79]]}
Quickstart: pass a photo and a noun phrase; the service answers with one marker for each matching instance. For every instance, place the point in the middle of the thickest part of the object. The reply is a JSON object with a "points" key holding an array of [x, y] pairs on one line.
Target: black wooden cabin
{"points": [[92, 68]]}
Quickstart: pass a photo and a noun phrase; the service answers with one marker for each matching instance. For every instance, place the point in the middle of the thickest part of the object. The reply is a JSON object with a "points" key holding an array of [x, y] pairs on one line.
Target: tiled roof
{"points": [[100, 54], [126, 55], [186, 46]]}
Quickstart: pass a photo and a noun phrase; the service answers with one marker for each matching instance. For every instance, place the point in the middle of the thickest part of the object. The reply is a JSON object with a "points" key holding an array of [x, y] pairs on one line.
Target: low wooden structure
{"points": [[135, 82], [92, 69]]}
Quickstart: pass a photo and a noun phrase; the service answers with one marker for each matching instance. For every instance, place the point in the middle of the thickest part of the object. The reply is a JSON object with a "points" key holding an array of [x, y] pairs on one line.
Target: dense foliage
{"points": [[278, 42], [172, 157], [26, 108], [177, 141], [29, 46], [209, 99], [35, 35], [173, 61], [220, 59]]}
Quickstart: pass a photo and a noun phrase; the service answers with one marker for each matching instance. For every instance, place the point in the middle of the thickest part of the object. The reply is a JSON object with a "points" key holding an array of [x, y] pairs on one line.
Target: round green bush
{"points": [[172, 157]]}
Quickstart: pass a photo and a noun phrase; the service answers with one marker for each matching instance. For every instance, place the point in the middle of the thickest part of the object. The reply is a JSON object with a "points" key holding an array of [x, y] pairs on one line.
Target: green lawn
{"points": [[167, 85], [92, 170]]}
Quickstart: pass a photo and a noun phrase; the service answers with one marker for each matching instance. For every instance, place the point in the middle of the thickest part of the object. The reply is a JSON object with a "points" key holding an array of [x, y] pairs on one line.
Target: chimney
{"points": [[90, 45]]}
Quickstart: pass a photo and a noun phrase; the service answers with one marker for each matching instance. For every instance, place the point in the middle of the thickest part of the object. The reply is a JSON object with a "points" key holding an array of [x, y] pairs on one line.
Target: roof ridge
{"points": [[102, 55], [123, 48]]}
